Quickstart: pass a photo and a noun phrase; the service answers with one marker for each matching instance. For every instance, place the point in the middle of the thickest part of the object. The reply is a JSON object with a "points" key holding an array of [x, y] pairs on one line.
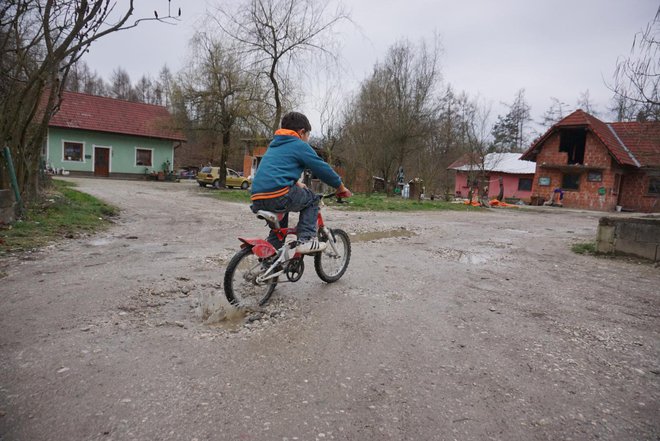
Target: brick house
{"points": [[597, 165]]}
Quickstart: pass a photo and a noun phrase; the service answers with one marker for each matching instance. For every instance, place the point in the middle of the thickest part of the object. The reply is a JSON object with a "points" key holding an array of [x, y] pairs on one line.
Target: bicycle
{"points": [[254, 272]]}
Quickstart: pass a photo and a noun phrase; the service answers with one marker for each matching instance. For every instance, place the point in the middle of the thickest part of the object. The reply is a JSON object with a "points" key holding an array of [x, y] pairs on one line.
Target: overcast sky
{"points": [[491, 48]]}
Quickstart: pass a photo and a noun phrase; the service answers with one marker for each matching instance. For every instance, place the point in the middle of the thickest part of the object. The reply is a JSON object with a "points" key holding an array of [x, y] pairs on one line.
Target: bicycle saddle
{"points": [[273, 219]]}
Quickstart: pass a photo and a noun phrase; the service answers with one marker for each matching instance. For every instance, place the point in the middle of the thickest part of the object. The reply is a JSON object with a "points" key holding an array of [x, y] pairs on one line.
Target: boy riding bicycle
{"points": [[276, 186]]}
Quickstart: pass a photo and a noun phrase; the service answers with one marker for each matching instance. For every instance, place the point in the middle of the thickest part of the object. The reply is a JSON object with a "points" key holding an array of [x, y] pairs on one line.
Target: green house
{"points": [[99, 136]]}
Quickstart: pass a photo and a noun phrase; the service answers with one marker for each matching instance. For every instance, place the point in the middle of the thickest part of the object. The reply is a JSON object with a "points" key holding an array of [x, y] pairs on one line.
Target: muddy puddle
{"points": [[229, 319], [215, 313], [376, 235], [241, 321]]}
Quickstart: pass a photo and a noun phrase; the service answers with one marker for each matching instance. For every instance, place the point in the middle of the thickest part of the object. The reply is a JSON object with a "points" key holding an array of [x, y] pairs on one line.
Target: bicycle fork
{"points": [[331, 241]]}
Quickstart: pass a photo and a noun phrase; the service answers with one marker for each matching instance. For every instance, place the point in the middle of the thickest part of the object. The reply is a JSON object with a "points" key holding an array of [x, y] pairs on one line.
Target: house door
{"points": [[618, 185], [101, 161]]}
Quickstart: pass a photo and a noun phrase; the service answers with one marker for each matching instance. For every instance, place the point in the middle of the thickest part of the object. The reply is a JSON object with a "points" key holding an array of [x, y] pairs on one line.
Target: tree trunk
{"points": [[224, 155]]}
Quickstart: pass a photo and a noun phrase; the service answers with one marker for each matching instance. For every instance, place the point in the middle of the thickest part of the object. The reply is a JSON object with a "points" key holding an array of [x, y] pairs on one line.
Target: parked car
{"points": [[187, 174], [211, 176]]}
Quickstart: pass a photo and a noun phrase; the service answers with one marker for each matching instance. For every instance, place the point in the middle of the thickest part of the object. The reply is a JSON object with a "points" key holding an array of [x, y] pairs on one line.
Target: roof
{"points": [[102, 114], [496, 162], [635, 143], [642, 139]]}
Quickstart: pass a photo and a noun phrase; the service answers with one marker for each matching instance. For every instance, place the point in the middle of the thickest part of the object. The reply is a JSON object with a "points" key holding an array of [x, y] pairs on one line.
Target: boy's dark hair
{"points": [[296, 121]]}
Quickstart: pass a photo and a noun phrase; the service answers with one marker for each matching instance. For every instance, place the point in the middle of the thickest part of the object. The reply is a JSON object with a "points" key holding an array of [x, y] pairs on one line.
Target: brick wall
{"points": [[247, 159], [634, 194], [587, 196]]}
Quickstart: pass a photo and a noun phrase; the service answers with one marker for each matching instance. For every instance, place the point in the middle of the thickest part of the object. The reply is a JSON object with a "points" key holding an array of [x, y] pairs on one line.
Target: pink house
{"points": [[516, 175]]}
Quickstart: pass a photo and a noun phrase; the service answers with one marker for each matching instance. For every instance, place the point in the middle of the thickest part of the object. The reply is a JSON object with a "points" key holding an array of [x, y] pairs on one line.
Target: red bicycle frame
{"points": [[263, 249]]}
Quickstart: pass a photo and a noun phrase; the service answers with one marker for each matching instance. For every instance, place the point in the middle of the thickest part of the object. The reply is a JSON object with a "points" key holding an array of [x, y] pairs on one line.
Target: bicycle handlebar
{"points": [[333, 194]]}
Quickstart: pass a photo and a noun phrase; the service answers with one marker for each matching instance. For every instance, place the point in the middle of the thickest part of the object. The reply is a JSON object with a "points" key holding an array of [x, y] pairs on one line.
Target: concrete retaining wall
{"points": [[638, 236], [7, 207]]}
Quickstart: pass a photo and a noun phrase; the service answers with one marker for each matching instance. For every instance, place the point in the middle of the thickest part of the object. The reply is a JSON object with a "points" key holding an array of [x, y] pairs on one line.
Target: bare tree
{"points": [[120, 85], [585, 103], [362, 136], [278, 35], [39, 42], [164, 90], [446, 141], [331, 124], [637, 77], [478, 148], [555, 112], [82, 79], [219, 96], [144, 90], [397, 106]]}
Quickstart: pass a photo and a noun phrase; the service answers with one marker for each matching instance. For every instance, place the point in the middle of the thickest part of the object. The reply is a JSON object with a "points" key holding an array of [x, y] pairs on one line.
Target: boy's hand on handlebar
{"points": [[343, 192]]}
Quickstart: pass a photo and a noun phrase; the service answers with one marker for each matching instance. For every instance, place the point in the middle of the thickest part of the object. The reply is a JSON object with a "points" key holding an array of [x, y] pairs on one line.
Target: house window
{"points": [[595, 176], [654, 186], [570, 182], [525, 184], [572, 141], [143, 157], [73, 151]]}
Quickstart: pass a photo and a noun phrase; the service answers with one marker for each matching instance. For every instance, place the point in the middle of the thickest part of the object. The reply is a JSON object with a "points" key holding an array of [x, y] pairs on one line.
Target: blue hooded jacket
{"points": [[280, 168]]}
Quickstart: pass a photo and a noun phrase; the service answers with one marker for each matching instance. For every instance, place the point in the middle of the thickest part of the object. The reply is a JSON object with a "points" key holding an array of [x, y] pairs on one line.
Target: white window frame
{"points": [[152, 157], [82, 156]]}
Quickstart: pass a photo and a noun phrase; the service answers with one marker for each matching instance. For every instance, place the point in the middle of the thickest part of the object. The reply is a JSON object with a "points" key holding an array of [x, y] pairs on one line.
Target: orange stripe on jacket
{"points": [[287, 132], [270, 194]]}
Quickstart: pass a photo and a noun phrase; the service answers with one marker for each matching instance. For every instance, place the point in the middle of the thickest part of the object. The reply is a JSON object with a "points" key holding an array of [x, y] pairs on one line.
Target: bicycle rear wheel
{"points": [[331, 264], [241, 286]]}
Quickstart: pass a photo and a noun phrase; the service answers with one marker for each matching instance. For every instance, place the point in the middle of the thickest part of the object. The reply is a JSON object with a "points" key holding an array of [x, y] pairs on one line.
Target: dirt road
{"points": [[463, 326]]}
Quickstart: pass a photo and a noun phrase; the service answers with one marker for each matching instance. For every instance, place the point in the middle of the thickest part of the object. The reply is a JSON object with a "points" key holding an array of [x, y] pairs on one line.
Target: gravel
{"points": [[470, 326]]}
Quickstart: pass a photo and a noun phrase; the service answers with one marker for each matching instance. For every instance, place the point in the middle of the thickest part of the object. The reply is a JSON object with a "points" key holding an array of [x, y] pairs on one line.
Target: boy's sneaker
{"points": [[311, 246]]}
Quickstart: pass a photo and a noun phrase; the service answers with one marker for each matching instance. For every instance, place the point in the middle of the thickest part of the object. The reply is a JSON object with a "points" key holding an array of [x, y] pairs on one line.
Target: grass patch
{"points": [[361, 202], [230, 195], [584, 248], [61, 212], [379, 202]]}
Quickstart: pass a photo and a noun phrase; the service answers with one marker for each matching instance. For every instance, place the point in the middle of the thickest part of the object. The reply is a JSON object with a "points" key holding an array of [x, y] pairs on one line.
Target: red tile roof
{"points": [[90, 112], [630, 143], [642, 139]]}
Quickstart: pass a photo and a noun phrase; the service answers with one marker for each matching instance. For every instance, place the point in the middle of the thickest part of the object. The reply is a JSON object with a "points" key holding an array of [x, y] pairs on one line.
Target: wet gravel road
{"points": [[447, 326]]}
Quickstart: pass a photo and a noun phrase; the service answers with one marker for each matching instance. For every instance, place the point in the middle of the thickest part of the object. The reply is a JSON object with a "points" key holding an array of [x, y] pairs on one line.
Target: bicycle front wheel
{"points": [[241, 286], [331, 264]]}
